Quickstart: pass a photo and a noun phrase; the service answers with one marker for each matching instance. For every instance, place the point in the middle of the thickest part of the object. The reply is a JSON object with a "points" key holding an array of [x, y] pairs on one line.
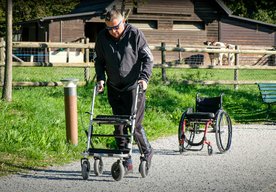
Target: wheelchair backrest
{"points": [[208, 104]]}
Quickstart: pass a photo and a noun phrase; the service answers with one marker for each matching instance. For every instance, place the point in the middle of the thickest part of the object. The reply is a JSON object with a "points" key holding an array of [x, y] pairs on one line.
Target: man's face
{"points": [[115, 27]]}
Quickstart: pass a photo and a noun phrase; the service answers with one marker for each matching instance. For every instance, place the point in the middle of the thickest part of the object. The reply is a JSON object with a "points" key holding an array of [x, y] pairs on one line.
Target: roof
{"points": [[88, 8], [95, 5]]}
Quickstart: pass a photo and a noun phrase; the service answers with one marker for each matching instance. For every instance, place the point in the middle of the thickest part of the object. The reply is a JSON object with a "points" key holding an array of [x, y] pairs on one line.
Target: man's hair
{"points": [[113, 14]]}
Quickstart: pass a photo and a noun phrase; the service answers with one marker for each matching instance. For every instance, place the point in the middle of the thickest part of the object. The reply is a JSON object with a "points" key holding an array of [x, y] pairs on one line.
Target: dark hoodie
{"points": [[125, 60]]}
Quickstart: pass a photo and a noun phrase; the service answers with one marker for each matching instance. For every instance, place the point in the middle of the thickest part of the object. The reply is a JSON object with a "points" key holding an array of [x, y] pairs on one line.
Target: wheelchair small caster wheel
{"points": [[85, 169], [143, 168], [117, 170], [98, 166], [210, 150]]}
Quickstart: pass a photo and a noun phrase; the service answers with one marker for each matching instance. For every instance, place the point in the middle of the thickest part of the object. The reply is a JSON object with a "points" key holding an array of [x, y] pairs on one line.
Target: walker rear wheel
{"points": [[143, 168]]}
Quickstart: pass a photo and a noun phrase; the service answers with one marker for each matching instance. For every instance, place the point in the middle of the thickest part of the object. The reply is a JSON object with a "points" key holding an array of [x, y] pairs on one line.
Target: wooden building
{"points": [[189, 22]]}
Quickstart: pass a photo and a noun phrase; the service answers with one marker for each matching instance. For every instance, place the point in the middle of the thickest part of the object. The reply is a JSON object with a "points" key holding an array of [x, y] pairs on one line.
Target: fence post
{"points": [[87, 77], [2, 60], [236, 72], [163, 60], [71, 115], [179, 53]]}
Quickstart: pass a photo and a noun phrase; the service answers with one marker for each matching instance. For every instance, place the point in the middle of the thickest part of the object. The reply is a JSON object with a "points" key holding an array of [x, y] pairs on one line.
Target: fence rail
{"points": [[52, 52]]}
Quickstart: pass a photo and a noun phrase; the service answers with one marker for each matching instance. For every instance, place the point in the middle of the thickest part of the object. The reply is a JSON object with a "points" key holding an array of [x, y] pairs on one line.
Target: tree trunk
{"points": [[7, 89]]}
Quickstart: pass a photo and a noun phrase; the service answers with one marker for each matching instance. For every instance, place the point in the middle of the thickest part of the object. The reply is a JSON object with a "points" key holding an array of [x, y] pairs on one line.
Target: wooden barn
{"points": [[189, 22]]}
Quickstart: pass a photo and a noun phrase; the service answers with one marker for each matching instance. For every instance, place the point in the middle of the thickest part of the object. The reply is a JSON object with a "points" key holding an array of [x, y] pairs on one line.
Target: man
{"points": [[125, 58]]}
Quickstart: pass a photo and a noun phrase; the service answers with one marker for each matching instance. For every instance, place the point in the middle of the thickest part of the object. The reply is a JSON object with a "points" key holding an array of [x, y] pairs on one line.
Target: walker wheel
{"points": [[85, 169], [117, 170], [98, 166], [143, 168], [210, 150]]}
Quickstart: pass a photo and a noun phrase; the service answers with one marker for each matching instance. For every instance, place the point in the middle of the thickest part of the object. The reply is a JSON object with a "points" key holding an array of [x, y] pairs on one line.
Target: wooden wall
{"points": [[241, 33], [166, 15], [66, 31]]}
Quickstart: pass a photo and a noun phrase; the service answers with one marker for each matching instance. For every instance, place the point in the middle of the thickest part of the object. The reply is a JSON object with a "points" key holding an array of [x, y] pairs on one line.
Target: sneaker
{"points": [[128, 166], [148, 157]]}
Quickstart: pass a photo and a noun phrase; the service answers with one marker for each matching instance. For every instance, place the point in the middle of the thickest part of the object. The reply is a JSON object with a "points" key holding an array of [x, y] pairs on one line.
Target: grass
{"points": [[32, 126]]}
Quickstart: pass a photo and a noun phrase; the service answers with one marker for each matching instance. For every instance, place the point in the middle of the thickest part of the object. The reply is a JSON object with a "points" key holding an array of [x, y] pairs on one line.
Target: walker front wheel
{"points": [[85, 169], [117, 170]]}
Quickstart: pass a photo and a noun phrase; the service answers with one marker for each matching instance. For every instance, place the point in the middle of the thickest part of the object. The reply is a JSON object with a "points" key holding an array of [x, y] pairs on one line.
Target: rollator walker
{"points": [[117, 169], [208, 117]]}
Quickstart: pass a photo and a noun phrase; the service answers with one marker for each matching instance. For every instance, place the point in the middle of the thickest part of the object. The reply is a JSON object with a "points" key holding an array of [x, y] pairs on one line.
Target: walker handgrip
{"points": [[140, 85]]}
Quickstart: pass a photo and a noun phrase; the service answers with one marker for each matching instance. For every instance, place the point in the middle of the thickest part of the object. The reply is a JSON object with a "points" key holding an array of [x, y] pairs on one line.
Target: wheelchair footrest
{"points": [[113, 119], [108, 151], [200, 116]]}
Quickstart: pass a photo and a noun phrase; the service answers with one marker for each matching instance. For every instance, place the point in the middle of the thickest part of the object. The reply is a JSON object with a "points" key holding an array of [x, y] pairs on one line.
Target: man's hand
{"points": [[144, 84], [100, 86]]}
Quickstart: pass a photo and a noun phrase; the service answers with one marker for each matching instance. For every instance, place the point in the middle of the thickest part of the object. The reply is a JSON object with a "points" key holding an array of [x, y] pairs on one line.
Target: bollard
{"points": [[70, 103]]}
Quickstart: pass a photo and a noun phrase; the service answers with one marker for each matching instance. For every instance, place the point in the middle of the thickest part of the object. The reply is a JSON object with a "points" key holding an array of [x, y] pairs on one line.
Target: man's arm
{"points": [[100, 66], [146, 58]]}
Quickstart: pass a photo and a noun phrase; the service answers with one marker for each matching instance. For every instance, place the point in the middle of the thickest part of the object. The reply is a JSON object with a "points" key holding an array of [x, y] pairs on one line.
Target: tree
{"points": [[28, 10], [7, 89], [261, 10]]}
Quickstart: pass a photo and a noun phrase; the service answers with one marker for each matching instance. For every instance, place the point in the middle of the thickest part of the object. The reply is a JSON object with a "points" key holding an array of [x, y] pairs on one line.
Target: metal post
{"points": [[70, 102]]}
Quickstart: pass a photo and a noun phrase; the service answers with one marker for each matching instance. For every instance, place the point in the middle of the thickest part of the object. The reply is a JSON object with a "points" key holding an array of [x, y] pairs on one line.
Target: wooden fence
{"points": [[87, 64]]}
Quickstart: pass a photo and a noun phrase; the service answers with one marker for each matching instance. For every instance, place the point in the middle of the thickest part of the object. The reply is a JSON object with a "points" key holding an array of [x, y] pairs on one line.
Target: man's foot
{"points": [[148, 157], [128, 166]]}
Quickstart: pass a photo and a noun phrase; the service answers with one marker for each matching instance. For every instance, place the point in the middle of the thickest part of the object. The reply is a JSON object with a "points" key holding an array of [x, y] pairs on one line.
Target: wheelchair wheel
{"points": [[223, 131], [85, 169], [185, 136], [98, 166], [117, 170]]}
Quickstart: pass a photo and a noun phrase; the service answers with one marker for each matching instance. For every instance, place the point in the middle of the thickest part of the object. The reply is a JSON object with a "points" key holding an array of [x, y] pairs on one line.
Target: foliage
{"points": [[259, 10], [29, 10]]}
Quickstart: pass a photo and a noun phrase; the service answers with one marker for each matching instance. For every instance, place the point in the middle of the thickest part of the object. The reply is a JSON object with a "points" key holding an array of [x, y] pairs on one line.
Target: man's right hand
{"points": [[100, 86]]}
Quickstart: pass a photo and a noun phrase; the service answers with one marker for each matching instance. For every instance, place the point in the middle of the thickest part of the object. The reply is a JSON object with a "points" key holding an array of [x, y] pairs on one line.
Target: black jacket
{"points": [[125, 60]]}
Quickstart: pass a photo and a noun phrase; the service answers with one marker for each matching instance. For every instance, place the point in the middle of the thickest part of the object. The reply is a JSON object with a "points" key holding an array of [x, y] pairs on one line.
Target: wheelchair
{"points": [[208, 117]]}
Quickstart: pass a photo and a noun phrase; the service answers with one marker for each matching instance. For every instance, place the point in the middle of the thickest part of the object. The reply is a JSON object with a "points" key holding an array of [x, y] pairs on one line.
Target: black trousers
{"points": [[122, 103]]}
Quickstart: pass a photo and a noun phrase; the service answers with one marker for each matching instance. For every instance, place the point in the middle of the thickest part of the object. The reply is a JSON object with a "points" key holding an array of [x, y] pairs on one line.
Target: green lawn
{"points": [[32, 126]]}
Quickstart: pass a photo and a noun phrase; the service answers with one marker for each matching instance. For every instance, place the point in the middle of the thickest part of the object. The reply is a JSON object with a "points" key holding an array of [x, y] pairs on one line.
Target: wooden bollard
{"points": [[71, 115]]}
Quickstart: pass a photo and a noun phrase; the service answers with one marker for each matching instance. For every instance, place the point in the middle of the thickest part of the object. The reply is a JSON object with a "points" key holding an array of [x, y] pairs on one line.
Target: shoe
{"points": [[128, 166], [148, 157]]}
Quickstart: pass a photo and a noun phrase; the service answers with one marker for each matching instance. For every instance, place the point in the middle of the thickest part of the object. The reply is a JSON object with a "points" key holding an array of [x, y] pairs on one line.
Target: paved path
{"points": [[250, 165]]}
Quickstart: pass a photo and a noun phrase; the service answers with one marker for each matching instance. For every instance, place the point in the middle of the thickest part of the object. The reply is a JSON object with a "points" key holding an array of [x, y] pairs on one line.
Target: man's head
{"points": [[115, 23]]}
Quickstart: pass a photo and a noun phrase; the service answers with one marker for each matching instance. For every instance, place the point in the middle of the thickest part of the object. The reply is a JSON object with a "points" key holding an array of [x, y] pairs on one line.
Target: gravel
{"points": [[250, 165]]}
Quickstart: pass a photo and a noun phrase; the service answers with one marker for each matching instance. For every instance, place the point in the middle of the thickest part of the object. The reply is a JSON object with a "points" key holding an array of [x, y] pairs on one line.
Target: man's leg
{"points": [[140, 134], [115, 100]]}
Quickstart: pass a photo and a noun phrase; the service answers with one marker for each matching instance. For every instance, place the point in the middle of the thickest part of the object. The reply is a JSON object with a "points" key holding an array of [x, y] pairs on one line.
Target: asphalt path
{"points": [[250, 165]]}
